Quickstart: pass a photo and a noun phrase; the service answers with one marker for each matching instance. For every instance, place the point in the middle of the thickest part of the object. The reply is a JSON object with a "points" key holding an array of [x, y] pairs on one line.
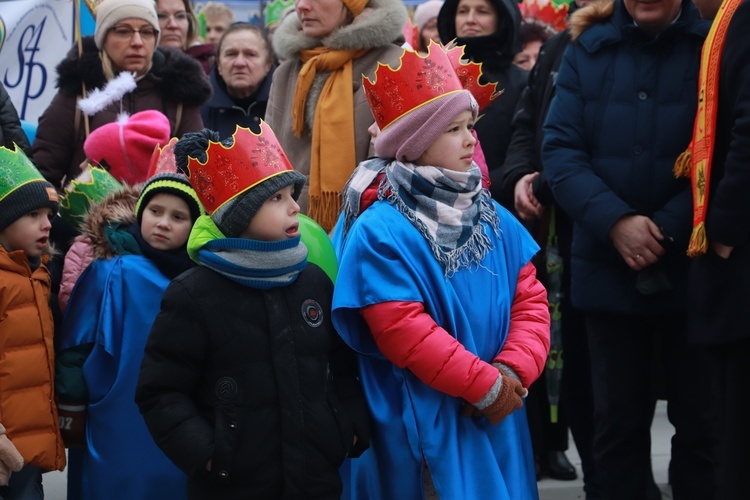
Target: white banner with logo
{"points": [[35, 35]]}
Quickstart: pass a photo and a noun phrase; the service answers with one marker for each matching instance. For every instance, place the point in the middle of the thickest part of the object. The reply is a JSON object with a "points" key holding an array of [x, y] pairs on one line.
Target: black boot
{"points": [[558, 467]]}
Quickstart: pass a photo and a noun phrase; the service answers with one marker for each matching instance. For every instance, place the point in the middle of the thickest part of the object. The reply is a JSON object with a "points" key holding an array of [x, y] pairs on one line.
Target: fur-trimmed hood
{"points": [[585, 17], [179, 77], [380, 23], [116, 208]]}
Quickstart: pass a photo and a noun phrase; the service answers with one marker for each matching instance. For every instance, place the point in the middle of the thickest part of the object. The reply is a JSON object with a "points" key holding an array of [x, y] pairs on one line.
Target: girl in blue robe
{"points": [[104, 333], [436, 291]]}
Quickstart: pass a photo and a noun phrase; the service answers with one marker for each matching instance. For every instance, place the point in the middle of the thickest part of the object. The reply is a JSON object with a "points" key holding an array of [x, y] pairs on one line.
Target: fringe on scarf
{"points": [[324, 209], [683, 164], [698, 241]]}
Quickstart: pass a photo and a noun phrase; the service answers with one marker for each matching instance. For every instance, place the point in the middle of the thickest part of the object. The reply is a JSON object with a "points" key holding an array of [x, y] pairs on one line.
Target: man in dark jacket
{"points": [[525, 183], [626, 96], [718, 282]]}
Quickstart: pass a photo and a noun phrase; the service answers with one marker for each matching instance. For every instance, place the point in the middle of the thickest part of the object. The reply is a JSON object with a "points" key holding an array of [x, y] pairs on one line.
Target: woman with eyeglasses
{"points": [[179, 29], [126, 39]]}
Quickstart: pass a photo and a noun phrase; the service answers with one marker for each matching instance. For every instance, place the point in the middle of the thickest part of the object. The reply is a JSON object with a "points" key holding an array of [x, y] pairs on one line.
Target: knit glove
{"points": [[10, 459], [507, 401], [72, 418]]}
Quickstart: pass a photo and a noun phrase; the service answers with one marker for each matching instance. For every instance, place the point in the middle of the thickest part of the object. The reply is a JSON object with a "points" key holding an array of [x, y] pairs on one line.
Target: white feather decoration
{"points": [[98, 99]]}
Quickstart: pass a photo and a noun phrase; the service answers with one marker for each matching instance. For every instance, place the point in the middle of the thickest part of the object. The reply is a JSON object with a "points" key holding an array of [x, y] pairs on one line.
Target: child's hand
{"points": [[10, 459], [507, 401], [208, 466]]}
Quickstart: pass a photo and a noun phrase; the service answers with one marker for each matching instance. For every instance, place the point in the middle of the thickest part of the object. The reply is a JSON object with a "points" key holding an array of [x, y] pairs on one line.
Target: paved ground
{"points": [[549, 489]]}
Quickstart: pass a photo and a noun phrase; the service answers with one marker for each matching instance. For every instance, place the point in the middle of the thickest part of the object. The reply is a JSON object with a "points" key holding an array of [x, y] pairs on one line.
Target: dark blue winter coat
{"points": [[624, 111]]}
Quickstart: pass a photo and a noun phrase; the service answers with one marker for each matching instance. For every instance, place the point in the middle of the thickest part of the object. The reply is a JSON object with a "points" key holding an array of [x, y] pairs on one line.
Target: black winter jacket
{"points": [[222, 114], [718, 288], [10, 126], [256, 381]]}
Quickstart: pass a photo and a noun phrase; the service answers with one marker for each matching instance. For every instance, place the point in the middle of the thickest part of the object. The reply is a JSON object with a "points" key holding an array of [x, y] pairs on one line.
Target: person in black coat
{"points": [[10, 125], [625, 98], [524, 182], [489, 31], [241, 80], [245, 384], [718, 281]]}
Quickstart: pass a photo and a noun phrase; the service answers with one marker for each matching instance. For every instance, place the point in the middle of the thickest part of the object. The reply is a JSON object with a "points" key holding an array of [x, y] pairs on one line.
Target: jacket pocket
{"points": [[226, 438], [343, 424]]}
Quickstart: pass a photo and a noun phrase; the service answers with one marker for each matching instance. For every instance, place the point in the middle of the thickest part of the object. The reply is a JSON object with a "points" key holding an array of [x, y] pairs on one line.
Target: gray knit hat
{"points": [[245, 198], [111, 12], [233, 217]]}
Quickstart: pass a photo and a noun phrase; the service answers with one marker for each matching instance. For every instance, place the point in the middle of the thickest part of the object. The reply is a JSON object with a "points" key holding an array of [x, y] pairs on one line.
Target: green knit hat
{"points": [[22, 187], [170, 183]]}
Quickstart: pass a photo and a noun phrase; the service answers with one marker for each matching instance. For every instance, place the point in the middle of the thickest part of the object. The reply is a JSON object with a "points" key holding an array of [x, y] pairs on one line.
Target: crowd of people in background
{"points": [[537, 235]]}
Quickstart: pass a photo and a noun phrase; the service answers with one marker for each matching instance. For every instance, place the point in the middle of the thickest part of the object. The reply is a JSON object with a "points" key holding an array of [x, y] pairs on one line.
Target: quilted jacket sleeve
{"points": [[527, 345], [408, 337]]}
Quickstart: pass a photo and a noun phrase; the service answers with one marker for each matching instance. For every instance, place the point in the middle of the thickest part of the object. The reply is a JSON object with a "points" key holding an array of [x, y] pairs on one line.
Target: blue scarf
{"points": [[251, 263]]}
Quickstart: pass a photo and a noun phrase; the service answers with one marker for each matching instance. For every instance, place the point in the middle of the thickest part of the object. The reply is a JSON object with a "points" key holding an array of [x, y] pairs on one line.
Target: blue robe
{"points": [[384, 258], [114, 305]]}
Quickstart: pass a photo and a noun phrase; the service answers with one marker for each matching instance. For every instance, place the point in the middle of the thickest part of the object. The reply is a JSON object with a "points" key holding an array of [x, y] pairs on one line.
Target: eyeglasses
{"points": [[179, 17], [126, 33]]}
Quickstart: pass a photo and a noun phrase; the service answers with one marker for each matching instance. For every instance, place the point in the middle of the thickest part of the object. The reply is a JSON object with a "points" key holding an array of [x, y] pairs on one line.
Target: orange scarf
{"points": [[333, 128], [696, 160]]}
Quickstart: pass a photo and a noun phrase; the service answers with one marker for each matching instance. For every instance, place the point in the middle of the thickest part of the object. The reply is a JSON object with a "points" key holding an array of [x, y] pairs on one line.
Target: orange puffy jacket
{"points": [[27, 362]]}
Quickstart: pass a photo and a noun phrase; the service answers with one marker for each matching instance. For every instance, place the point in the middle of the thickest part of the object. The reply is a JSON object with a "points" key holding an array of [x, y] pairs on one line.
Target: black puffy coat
{"points": [[256, 381], [10, 126]]}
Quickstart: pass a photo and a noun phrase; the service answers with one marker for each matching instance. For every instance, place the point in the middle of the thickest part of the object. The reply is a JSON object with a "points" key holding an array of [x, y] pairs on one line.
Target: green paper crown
{"points": [[16, 170], [273, 11], [201, 16], [87, 189]]}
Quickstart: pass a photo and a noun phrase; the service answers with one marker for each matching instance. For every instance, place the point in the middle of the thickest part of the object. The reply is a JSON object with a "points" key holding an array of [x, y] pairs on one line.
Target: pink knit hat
{"points": [[409, 136], [125, 147]]}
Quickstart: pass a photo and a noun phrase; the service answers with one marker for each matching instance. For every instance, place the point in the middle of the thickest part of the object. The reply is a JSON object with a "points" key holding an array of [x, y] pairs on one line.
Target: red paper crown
{"points": [[469, 74], [411, 34], [162, 159], [230, 171], [547, 12], [417, 80]]}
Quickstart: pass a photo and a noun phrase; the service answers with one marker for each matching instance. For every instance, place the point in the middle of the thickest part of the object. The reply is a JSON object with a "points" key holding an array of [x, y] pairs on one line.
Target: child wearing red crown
{"points": [[437, 293], [245, 384], [138, 240]]}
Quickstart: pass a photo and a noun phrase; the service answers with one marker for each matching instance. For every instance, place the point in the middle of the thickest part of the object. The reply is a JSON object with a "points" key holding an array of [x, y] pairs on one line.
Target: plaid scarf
{"points": [[445, 206], [696, 161]]}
